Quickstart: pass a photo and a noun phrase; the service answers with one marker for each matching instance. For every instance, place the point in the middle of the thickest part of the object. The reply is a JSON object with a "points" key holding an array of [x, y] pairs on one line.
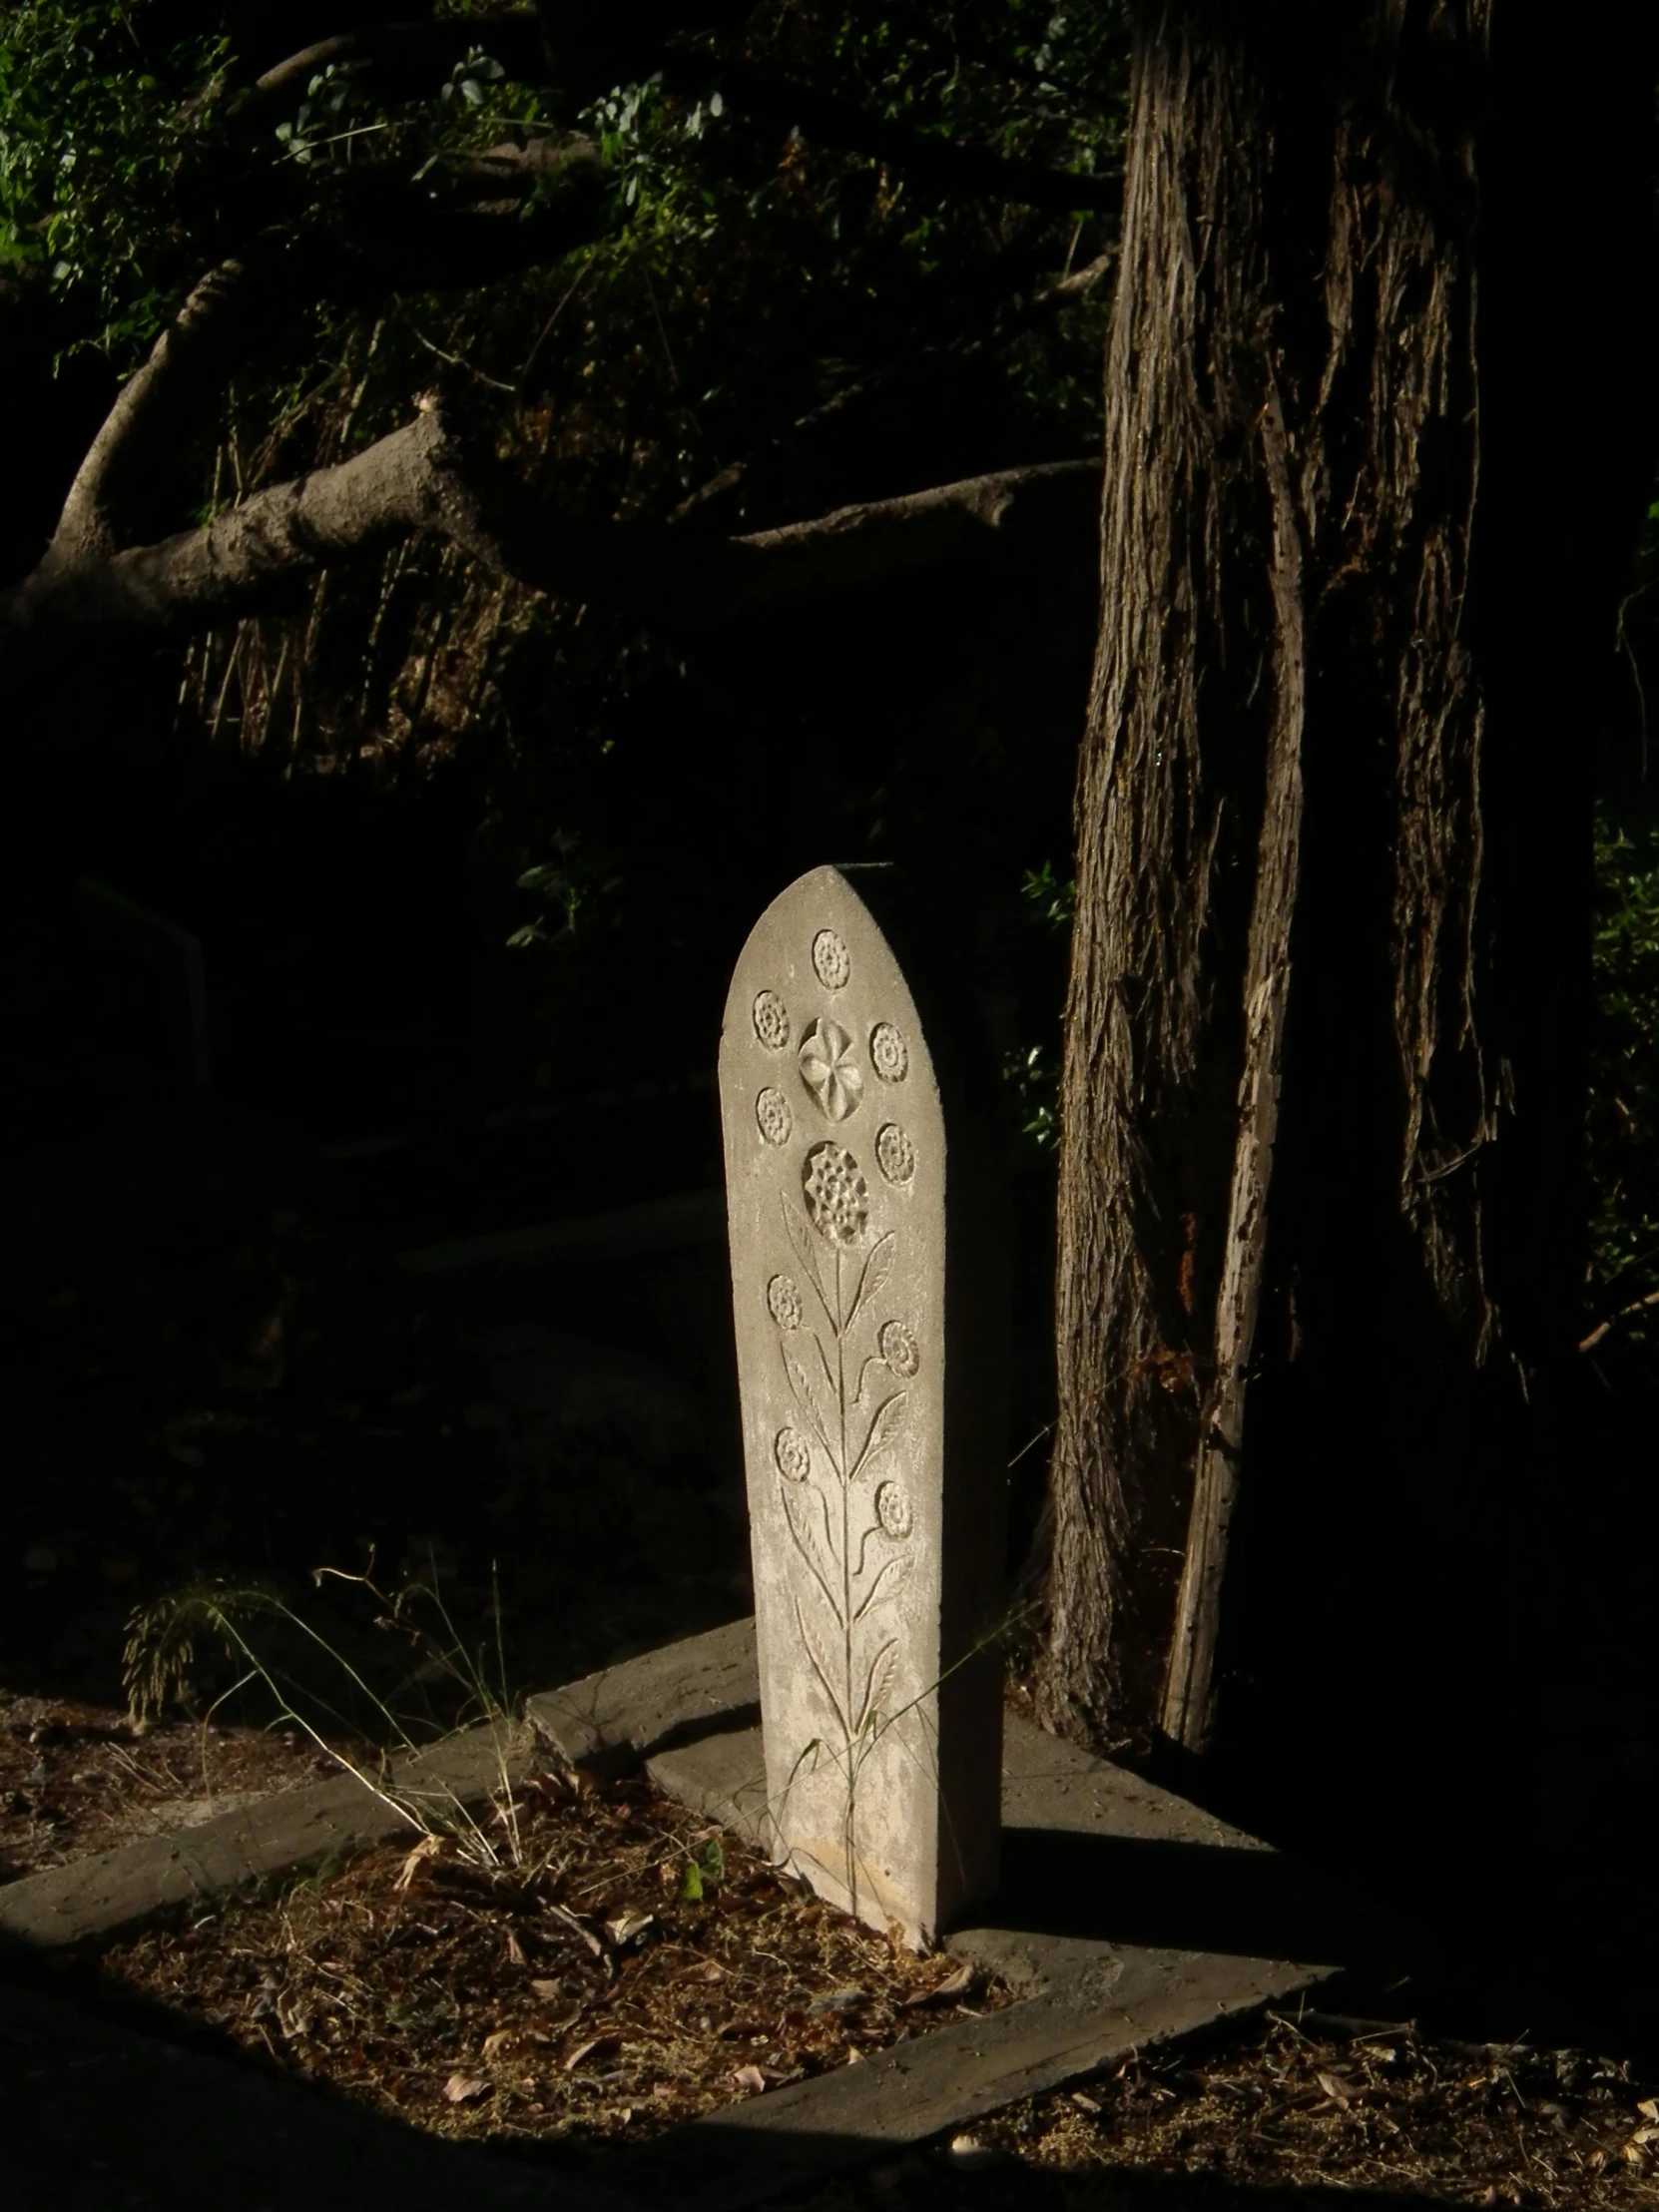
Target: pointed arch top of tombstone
{"points": [[869, 1300]]}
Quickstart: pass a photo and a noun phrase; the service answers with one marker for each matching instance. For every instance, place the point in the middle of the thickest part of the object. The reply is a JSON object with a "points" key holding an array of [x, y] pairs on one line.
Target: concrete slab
{"points": [[1127, 1917], [611, 1719], [622, 1714], [285, 1833]]}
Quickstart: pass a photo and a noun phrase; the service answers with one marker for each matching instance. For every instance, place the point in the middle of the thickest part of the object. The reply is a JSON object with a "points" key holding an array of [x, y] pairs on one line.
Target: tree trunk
{"points": [[1374, 451]]}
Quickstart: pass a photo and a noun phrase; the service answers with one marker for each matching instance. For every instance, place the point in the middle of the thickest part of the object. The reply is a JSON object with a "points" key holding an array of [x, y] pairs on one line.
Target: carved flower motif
{"points": [[772, 1021], [893, 1509], [889, 1055], [898, 1348], [838, 1197], [829, 1069], [831, 961], [794, 1455], [772, 1111], [783, 1303], [896, 1155]]}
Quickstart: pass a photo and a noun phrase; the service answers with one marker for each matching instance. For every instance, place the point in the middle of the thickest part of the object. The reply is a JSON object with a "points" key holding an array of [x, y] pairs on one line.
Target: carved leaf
{"points": [[820, 1667], [800, 1237], [889, 1583], [876, 1681], [811, 1406], [885, 1423], [877, 1270], [797, 1509]]}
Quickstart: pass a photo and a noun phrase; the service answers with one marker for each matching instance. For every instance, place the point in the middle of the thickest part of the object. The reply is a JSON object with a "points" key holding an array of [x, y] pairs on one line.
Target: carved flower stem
{"points": [[849, 1830], [847, 1499]]}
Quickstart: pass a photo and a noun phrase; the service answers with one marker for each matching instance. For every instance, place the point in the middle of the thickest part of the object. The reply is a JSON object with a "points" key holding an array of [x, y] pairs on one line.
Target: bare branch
{"points": [[132, 473], [426, 478], [1012, 314]]}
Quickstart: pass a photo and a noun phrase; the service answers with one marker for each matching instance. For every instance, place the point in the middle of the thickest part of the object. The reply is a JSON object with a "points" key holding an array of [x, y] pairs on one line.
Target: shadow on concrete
{"points": [[1189, 1897]]}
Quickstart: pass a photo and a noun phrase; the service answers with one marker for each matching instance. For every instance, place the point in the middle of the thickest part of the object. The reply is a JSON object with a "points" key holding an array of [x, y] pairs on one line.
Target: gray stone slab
{"points": [[96, 2116], [620, 1715], [865, 1204], [791, 2137], [285, 1833], [1127, 1917]]}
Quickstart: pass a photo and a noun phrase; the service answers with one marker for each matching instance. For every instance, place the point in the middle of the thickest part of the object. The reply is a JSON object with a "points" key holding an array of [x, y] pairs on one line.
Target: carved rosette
{"points": [[830, 1071], [896, 1155], [831, 961], [889, 1055], [773, 1117], [772, 1021]]}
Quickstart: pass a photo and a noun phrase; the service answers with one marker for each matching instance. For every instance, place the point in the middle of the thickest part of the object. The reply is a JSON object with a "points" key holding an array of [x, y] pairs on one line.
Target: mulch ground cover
{"points": [[587, 1961], [626, 1965], [1302, 2113], [77, 1778]]}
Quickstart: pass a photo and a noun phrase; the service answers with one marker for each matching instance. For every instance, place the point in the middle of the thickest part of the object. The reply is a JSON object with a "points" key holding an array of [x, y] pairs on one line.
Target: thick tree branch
{"points": [[124, 488], [426, 478]]}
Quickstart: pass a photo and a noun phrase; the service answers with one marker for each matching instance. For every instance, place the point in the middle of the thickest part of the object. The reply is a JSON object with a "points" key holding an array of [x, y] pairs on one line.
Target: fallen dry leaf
{"points": [[497, 2039], [600, 2044], [463, 2088], [958, 1984], [1649, 2108], [627, 1926], [427, 1848]]}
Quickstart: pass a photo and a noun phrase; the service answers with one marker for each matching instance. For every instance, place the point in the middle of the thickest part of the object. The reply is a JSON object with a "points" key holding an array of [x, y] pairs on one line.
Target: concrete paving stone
{"points": [[287, 1832]]}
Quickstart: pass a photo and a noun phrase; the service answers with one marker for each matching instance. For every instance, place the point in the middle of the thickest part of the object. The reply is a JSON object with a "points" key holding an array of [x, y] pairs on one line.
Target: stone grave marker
{"points": [[866, 1211]]}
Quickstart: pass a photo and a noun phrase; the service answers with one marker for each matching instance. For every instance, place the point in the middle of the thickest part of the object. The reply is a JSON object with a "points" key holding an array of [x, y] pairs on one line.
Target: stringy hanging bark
{"points": [[1321, 1058]]}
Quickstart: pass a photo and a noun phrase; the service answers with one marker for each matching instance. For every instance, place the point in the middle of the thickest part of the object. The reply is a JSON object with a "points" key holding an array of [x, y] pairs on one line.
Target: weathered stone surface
{"points": [[613, 1718], [1127, 1917], [1100, 1865], [618, 1716], [869, 1287], [289, 1829]]}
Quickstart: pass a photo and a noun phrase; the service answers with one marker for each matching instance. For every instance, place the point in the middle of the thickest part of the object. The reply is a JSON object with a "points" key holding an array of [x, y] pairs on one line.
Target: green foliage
{"points": [[702, 1873], [100, 134], [1032, 1071]]}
